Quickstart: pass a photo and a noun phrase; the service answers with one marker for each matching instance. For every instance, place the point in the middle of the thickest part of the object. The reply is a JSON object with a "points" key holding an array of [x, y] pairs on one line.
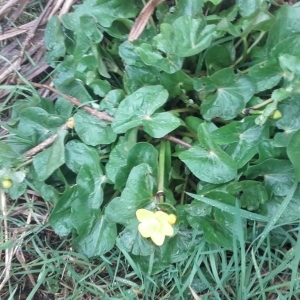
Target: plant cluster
{"points": [[197, 121]]}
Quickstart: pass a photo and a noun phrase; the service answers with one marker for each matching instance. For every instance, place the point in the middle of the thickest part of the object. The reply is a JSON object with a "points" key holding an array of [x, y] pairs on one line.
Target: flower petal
{"points": [[161, 216], [144, 230], [158, 238], [166, 228], [144, 214]]}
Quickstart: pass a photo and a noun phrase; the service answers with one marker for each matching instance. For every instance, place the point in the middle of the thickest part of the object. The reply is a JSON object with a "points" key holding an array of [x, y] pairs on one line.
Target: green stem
{"points": [[256, 41], [262, 104], [244, 54], [179, 110], [27, 162], [161, 174], [183, 191]]}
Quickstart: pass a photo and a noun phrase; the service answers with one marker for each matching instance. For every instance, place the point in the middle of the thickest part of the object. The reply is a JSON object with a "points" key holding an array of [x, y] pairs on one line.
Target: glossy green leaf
{"points": [[266, 75], [230, 97], [248, 7], [293, 149], [179, 247], [250, 193], [111, 101], [93, 131], [174, 38], [215, 233], [104, 12], [60, 218], [98, 240], [278, 175], [286, 25], [118, 155], [192, 8], [133, 242], [9, 157], [139, 192], [217, 58], [289, 123], [50, 159], [151, 57], [209, 163], [138, 154], [210, 166], [135, 78], [158, 125], [79, 154], [246, 137], [139, 106], [89, 27], [54, 40], [290, 213]]}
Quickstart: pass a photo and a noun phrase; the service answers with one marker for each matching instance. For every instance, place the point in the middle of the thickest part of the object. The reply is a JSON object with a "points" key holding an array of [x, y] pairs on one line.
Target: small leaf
{"points": [[93, 131], [50, 159]]}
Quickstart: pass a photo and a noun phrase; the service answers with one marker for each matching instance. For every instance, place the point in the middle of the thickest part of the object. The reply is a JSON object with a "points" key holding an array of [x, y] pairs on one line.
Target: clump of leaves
{"points": [[199, 118]]}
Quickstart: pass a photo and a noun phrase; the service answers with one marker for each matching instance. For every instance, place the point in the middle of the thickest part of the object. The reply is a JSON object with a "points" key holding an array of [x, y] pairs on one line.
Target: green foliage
{"points": [[205, 72]]}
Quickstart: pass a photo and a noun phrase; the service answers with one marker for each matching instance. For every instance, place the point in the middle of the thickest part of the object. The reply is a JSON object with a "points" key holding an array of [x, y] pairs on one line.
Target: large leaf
{"points": [[49, 160], [138, 193], [209, 163], [230, 97], [278, 175], [93, 131]]}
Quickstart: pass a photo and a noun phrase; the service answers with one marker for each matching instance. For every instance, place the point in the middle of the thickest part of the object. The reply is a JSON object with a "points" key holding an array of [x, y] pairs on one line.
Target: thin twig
{"points": [[46, 143], [100, 115], [142, 19]]}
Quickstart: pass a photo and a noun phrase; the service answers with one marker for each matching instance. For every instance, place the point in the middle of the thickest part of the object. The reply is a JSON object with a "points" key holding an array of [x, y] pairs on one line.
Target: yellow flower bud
{"points": [[7, 183], [276, 115], [71, 123]]}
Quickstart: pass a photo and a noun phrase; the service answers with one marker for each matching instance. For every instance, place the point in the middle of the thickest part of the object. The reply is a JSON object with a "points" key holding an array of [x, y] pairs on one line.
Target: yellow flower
{"points": [[156, 225]]}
